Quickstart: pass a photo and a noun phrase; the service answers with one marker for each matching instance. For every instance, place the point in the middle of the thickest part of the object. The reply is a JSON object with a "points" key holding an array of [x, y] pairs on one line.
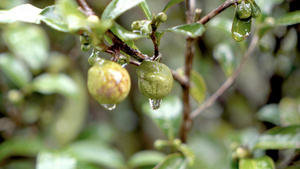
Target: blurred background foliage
{"points": [[47, 115]]}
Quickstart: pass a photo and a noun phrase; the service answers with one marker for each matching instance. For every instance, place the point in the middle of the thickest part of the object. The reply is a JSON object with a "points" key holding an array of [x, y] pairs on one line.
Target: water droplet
{"points": [[94, 57], [109, 106], [124, 64], [155, 103]]}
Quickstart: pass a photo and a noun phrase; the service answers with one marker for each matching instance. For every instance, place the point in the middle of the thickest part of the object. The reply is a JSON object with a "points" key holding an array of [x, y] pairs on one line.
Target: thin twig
{"points": [[218, 10], [189, 53], [228, 82], [88, 11]]}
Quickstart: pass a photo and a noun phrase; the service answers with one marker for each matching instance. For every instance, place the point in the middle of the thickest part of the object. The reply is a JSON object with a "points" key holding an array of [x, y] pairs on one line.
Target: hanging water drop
{"points": [[93, 57], [124, 64], [155, 103], [109, 106]]}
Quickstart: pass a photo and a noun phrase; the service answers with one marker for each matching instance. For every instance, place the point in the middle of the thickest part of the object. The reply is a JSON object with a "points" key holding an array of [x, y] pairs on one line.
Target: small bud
{"points": [[136, 25], [161, 17]]}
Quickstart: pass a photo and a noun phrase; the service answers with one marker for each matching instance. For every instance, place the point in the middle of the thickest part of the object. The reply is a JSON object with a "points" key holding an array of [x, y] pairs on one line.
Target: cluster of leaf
{"points": [[48, 94]]}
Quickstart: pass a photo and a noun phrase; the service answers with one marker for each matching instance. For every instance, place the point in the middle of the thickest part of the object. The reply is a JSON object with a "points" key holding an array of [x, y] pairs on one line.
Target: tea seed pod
{"points": [[108, 82], [155, 79]]}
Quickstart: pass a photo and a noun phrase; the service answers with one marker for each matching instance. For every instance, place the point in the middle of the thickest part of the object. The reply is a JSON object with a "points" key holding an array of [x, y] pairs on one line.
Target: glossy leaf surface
{"points": [[171, 3], [23, 13], [280, 138], [289, 19], [145, 8], [269, 113], [264, 162], [193, 30], [50, 16], [117, 7]]}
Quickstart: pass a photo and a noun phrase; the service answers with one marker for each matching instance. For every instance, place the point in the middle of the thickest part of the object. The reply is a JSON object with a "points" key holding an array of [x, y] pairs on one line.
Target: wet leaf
{"points": [[117, 7], [15, 70], [96, 152], [193, 30], [224, 54], [57, 160], [124, 34], [173, 161], [289, 111], [264, 162], [55, 83], [289, 19], [50, 16], [269, 113], [145, 8], [145, 158], [23, 13], [171, 3], [280, 138], [168, 116], [240, 29], [35, 51]]}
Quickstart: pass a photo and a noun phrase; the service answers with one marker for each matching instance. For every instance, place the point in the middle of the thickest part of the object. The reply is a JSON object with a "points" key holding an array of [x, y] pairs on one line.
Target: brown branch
{"points": [[217, 11], [88, 11], [189, 53], [228, 82]]}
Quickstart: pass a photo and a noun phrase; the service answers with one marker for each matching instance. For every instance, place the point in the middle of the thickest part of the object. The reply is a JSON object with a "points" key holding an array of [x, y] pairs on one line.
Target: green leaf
{"points": [[240, 29], [198, 85], [71, 116], [20, 147], [55, 160], [289, 111], [29, 42], [269, 113], [224, 54], [171, 3], [168, 121], [145, 8], [193, 30], [173, 161], [117, 7], [96, 152], [264, 162], [15, 70], [145, 158], [289, 19], [280, 138], [55, 83], [124, 34], [50, 16], [23, 13]]}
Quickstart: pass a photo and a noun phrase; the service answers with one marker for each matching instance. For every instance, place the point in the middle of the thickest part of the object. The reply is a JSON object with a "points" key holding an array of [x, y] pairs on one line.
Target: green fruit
{"points": [[240, 28], [155, 79], [108, 82], [244, 10]]}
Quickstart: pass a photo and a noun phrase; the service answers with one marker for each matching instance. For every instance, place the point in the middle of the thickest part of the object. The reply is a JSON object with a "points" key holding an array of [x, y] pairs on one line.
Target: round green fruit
{"points": [[155, 79], [108, 82]]}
